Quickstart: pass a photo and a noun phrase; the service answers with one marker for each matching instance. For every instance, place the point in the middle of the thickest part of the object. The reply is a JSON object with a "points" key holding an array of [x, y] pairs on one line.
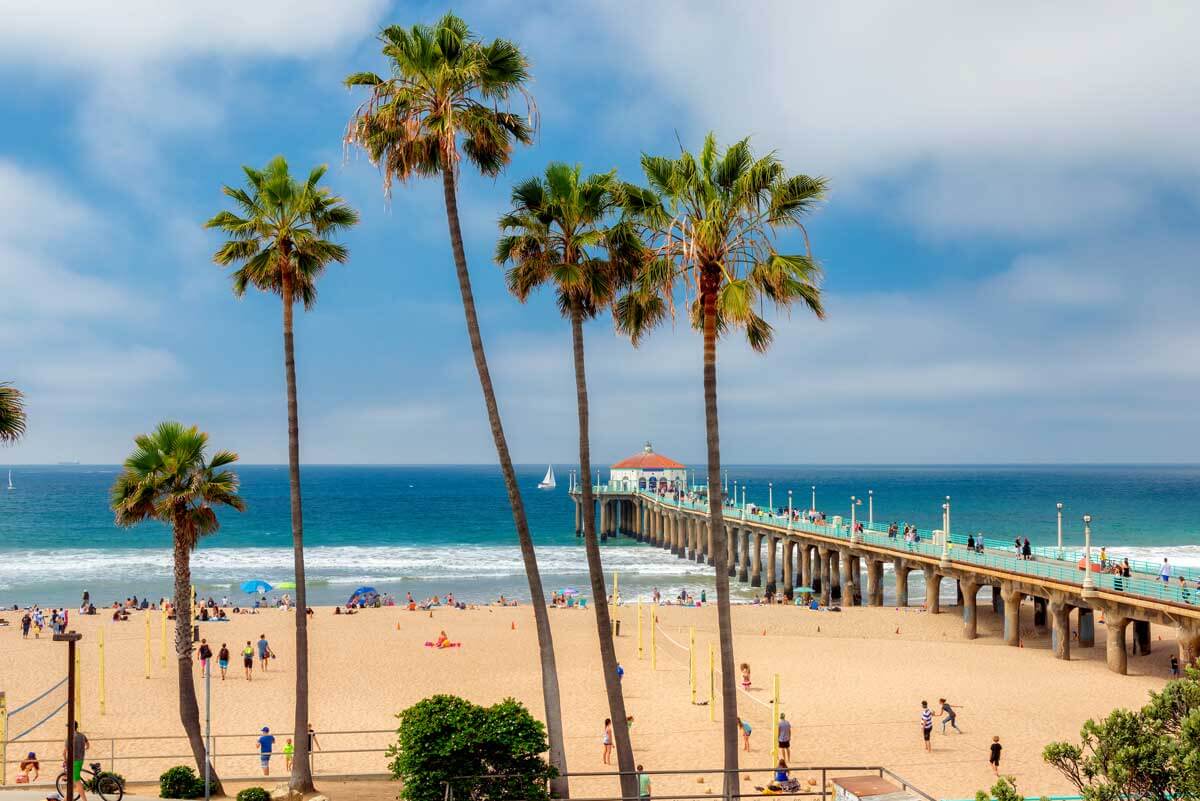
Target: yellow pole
{"points": [[616, 588], [147, 618], [639, 626], [79, 686], [692, 660], [162, 643], [653, 641], [775, 723], [712, 685], [103, 708], [3, 736]]}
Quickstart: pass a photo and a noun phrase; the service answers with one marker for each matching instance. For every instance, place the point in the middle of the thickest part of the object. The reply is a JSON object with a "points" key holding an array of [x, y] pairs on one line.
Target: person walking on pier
{"points": [[948, 716], [926, 725], [1165, 573]]}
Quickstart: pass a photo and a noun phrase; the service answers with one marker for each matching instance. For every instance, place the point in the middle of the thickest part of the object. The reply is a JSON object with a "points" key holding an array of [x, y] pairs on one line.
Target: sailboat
{"points": [[548, 482], [10, 484]]}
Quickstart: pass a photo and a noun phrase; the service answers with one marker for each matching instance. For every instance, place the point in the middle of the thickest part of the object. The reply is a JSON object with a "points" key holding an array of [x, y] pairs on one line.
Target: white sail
{"points": [[10, 484], [548, 482]]}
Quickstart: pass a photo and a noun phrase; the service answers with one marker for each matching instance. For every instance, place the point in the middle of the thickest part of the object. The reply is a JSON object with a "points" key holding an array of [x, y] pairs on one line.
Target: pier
{"points": [[782, 551]]}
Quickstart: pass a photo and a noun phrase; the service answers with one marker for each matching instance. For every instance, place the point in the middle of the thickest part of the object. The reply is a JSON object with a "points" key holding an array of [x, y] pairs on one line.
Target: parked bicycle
{"points": [[103, 783]]}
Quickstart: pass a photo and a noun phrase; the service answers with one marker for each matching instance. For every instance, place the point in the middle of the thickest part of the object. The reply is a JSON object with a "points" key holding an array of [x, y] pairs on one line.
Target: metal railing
{"points": [[819, 788], [122, 755], [1041, 566]]}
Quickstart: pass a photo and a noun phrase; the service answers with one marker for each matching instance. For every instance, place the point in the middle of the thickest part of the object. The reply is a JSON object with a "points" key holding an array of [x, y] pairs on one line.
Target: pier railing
{"points": [[1044, 564]]}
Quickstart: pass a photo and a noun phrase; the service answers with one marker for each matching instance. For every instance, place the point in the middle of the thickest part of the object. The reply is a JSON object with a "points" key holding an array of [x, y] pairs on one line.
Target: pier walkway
{"points": [[830, 557]]}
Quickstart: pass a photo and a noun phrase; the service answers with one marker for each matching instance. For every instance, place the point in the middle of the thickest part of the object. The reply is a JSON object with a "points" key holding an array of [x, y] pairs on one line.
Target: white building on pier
{"points": [[648, 471]]}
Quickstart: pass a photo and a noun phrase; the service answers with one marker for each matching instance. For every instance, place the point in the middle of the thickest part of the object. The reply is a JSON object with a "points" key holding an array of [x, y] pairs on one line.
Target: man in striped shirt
{"points": [[926, 724]]}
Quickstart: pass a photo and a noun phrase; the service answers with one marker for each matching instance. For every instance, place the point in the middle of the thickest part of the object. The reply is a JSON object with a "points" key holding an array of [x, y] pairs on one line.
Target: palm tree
{"points": [[441, 103], [12, 414], [168, 479], [710, 226], [280, 242], [552, 234]]}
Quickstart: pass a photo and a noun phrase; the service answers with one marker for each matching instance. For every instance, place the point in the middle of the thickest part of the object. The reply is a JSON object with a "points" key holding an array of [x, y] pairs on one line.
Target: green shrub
{"points": [[254, 794], [444, 737], [180, 782]]}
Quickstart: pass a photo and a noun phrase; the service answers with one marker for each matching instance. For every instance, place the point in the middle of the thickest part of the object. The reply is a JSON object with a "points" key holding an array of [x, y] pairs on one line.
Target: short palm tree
{"points": [[169, 479], [442, 102], [12, 414], [710, 226], [554, 236], [279, 236]]}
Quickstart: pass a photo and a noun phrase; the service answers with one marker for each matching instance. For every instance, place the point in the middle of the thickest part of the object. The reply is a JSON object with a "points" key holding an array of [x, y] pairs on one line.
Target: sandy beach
{"points": [[852, 683]]}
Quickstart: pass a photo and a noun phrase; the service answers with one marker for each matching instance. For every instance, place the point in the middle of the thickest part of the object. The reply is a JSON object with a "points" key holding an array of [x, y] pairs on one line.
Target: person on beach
{"points": [[643, 783], [744, 725], [289, 750], [81, 746], [223, 660], [994, 755], [264, 652], [265, 744], [620, 672], [785, 737], [248, 659], [205, 655], [745, 668], [1027, 550], [948, 716], [1165, 573], [607, 741], [1184, 593], [926, 725], [26, 622], [30, 765], [1174, 666]]}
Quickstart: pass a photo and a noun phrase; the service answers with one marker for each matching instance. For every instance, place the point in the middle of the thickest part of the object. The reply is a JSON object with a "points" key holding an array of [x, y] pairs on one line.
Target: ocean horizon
{"points": [[448, 528]]}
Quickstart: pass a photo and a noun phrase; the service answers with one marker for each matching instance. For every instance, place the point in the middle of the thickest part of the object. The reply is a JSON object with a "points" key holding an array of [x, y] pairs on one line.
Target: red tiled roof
{"points": [[650, 461]]}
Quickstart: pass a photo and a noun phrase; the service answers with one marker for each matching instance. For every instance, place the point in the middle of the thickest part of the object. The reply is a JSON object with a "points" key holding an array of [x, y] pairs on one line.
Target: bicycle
{"points": [[101, 782]]}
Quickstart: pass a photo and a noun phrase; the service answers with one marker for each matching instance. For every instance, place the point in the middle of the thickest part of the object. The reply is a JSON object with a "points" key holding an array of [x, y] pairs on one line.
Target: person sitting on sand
{"points": [[30, 765]]}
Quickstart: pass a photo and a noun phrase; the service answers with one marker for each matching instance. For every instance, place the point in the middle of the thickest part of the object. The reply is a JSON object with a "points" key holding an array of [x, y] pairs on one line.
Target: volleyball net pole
{"points": [[100, 674], [653, 640], [692, 661], [147, 618], [3, 737], [775, 721], [162, 645], [639, 626], [712, 685]]}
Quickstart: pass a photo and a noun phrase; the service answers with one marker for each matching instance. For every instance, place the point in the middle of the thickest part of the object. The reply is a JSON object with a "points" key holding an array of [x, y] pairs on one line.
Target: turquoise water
{"points": [[439, 529]]}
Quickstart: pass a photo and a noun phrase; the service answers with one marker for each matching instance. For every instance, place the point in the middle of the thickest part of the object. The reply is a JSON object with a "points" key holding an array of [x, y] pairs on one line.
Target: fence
{"points": [[144, 758], [814, 781]]}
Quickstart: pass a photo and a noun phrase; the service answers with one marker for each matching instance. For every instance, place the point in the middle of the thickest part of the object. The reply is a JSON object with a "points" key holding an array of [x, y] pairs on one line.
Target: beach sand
{"points": [[851, 683]]}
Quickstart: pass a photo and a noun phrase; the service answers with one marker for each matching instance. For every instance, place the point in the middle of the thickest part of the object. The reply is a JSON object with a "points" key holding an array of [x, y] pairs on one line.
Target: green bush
{"points": [[254, 794], [444, 737], [180, 782]]}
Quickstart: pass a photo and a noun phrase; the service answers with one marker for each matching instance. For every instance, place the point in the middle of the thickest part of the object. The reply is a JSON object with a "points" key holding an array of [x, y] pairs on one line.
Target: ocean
{"points": [[439, 529]]}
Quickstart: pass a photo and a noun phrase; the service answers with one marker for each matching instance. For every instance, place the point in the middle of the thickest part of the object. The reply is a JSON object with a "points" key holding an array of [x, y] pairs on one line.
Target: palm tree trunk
{"points": [[710, 278], [189, 709], [550, 693], [608, 654], [301, 779]]}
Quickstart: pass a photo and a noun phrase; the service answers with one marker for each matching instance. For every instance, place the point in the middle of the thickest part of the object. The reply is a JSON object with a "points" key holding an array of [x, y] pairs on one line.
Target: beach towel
{"points": [[432, 644]]}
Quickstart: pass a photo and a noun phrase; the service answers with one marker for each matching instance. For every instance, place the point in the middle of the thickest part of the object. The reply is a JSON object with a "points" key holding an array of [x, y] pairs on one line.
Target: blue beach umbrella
{"points": [[255, 586]]}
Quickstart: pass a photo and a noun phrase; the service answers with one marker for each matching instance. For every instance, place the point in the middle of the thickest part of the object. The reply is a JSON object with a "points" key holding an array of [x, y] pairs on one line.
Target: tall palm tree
{"points": [[168, 479], [553, 236], [441, 103], [710, 226], [280, 241], [12, 414]]}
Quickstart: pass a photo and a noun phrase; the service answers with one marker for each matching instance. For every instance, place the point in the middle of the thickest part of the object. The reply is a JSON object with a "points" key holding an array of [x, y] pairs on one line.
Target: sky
{"points": [[1010, 242]]}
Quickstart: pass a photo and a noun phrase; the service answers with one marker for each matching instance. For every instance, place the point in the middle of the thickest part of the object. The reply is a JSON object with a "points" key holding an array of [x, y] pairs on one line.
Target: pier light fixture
{"points": [[743, 497], [870, 507], [854, 503], [789, 508], [945, 560], [814, 499], [1088, 589], [1060, 548], [771, 496]]}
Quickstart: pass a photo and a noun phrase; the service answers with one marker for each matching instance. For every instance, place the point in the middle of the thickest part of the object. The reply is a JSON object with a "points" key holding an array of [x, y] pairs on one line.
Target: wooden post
{"points": [[162, 645], [79, 686], [692, 661], [3, 736]]}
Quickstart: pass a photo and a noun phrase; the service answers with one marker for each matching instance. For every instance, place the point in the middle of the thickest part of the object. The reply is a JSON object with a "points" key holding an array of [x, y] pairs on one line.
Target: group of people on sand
{"points": [[262, 648]]}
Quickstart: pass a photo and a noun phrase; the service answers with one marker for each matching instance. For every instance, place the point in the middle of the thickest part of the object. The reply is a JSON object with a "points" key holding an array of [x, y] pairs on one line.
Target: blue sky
{"points": [[1010, 243]]}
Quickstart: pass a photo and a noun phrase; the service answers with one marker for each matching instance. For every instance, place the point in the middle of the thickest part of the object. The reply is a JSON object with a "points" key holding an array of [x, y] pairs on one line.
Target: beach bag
{"points": [[22, 778]]}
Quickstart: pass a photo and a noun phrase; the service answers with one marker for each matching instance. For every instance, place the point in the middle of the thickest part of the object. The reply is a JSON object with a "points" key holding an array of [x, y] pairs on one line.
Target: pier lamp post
{"points": [[725, 486], [1088, 589], [814, 500], [1060, 550], [735, 503], [854, 502], [945, 560], [70, 638], [597, 478], [789, 509], [870, 507], [743, 499], [771, 497]]}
